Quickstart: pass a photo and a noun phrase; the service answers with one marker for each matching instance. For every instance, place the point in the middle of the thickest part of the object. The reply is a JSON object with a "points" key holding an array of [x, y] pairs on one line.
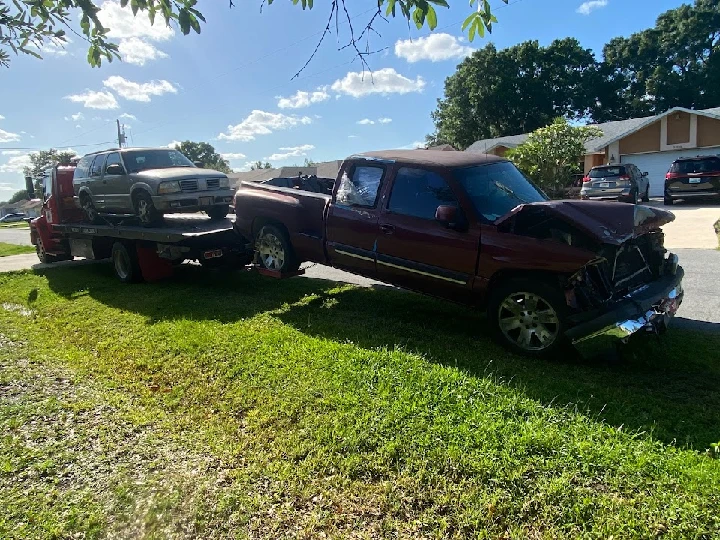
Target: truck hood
{"points": [[178, 173], [608, 222]]}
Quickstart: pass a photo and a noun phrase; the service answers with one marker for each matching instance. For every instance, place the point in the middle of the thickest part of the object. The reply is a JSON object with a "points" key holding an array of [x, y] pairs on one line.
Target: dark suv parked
{"points": [[148, 182], [693, 177]]}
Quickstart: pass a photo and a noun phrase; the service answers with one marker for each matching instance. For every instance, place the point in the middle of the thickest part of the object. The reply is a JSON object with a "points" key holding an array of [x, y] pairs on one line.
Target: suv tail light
{"points": [[670, 176], [625, 177], [586, 179]]}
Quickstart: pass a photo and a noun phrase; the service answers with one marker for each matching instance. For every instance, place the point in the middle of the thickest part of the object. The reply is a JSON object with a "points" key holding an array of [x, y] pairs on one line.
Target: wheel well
{"points": [[137, 191], [83, 194], [552, 278], [259, 222]]}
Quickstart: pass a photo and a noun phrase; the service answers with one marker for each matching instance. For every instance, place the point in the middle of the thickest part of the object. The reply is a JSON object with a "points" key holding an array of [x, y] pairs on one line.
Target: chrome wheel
{"points": [[40, 249], [121, 260], [144, 210], [528, 321], [271, 251], [90, 211]]}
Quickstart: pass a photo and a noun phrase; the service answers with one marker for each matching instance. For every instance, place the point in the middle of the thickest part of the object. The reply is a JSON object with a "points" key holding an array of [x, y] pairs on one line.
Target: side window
{"points": [[83, 167], [112, 159], [362, 188], [47, 183], [418, 193], [96, 169]]}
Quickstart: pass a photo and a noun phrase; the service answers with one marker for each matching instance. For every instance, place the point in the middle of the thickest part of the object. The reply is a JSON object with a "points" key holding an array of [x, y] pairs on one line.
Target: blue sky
{"points": [[231, 85]]}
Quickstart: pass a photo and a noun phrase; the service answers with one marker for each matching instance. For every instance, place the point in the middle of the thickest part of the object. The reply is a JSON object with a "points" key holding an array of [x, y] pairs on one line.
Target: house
{"points": [[31, 208], [651, 143], [7, 208]]}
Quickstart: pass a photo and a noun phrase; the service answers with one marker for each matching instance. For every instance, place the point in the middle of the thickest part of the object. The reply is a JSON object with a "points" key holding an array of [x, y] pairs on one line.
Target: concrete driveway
{"points": [[693, 225]]}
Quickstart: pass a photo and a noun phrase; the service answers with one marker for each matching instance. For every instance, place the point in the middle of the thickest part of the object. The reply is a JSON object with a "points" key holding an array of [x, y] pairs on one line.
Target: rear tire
{"points": [[275, 251], [91, 213], [125, 263], [217, 213], [42, 254], [528, 316], [145, 210], [646, 197], [668, 201]]}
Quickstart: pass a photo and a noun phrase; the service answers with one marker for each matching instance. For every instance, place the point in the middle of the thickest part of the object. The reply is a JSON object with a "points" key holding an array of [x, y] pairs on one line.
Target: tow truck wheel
{"points": [[41, 253], [91, 213], [145, 209], [217, 213], [275, 250], [527, 316], [125, 263]]}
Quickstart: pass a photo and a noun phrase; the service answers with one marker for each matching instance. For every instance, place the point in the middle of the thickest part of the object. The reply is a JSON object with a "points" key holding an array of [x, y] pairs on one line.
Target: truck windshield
{"points": [[142, 160], [497, 188]]}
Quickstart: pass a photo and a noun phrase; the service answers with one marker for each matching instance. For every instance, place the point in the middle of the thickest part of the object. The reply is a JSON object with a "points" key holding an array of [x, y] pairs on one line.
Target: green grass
{"points": [[229, 405], [717, 231], [15, 225], [13, 249]]}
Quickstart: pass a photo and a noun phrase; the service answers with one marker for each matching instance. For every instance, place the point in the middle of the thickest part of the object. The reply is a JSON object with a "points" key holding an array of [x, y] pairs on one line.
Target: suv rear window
{"points": [[604, 172], [711, 164]]}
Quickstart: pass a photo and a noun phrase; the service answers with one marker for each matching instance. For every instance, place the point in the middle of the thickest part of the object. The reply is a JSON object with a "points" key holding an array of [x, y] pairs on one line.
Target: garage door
{"points": [[657, 165]]}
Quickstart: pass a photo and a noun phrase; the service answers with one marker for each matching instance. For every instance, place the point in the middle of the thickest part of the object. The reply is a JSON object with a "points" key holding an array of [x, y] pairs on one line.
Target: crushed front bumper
{"points": [[649, 309]]}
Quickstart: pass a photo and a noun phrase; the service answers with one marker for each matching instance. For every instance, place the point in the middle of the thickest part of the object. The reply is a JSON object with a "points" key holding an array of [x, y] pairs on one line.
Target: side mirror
{"points": [[450, 216], [115, 169], [199, 164], [645, 173], [30, 187]]}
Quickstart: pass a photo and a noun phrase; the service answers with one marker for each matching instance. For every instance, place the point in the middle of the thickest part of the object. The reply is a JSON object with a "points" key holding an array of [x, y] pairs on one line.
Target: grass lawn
{"points": [[717, 231], [15, 225], [229, 405], [13, 249]]}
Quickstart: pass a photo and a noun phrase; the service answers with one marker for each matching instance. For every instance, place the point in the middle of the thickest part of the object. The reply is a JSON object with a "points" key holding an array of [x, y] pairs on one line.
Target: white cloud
{"points": [[15, 164], [11, 152], [121, 23], [303, 99], [588, 7], [52, 47], [128, 116], [139, 91], [262, 123], [136, 51], [233, 156], [384, 81], [4, 186], [413, 145], [2, 117], [352, 136], [75, 117], [384, 120], [173, 144], [366, 122], [95, 100], [435, 47], [6, 136], [291, 151]]}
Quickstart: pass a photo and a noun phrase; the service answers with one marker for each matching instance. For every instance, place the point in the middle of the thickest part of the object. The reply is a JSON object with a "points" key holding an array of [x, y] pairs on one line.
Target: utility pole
{"points": [[120, 134]]}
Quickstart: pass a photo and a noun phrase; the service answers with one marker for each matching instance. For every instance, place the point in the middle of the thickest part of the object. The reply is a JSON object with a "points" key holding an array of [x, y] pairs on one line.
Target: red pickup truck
{"points": [[473, 229]]}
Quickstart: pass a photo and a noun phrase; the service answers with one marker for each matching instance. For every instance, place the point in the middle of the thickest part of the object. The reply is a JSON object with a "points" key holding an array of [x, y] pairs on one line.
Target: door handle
{"points": [[387, 229]]}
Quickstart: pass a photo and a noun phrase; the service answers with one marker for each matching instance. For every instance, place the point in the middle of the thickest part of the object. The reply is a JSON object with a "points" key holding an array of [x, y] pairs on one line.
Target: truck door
{"points": [[417, 251], [115, 185], [95, 181], [352, 222]]}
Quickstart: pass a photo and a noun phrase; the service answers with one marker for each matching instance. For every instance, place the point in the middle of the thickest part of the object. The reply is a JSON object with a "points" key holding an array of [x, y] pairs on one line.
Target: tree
{"points": [[205, 153], [309, 163], [515, 90], [552, 154], [21, 195], [674, 64], [25, 25], [260, 165], [39, 161]]}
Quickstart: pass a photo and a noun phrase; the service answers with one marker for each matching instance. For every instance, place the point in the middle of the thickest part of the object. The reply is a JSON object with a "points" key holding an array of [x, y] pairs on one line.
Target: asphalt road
{"points": [[15, 236]]}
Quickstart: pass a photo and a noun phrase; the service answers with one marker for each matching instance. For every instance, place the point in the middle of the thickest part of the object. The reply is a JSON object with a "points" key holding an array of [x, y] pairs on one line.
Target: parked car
{"points": [[619, 182], [693, 177], [13, 218], [473, 229], [148, 182]]}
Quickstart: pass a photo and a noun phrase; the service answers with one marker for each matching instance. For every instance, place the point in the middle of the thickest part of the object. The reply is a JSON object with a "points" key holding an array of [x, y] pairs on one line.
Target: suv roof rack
{"points": [[101, 151]]}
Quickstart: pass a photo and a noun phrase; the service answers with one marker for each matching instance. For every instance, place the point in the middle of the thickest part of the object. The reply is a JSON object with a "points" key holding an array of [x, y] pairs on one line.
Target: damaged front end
{"points": [[632, 284]]}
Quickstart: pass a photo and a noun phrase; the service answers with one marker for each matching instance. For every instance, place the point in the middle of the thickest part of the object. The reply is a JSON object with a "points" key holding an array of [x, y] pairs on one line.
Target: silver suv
{"points": [[148, 182]]}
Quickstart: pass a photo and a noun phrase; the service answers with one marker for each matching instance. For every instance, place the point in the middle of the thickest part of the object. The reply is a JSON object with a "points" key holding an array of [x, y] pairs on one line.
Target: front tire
{"points": [[528, 316], [275, 251], [91, 213], [217, 213], [125, 263], [42, 254], [146, 211]]}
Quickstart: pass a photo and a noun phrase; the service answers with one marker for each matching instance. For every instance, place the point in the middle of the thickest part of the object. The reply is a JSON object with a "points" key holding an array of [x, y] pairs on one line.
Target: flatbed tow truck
{"points": [[137, 253]]}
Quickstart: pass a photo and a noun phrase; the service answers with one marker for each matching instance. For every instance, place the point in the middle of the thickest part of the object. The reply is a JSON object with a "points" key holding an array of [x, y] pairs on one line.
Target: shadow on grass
{"points": [[666, 386]]}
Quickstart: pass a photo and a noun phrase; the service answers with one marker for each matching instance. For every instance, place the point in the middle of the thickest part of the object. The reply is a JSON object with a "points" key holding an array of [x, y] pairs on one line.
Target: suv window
{"points": [[96, 169], [112, 159], [603, 172], [83, 167], [362, 189], [418, 193], [710, 164]]}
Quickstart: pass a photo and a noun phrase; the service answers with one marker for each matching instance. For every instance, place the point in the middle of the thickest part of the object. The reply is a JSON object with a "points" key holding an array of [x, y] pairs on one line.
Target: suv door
{"points": [[416, 251], [352, 222], [94, 182], [116, 187]]}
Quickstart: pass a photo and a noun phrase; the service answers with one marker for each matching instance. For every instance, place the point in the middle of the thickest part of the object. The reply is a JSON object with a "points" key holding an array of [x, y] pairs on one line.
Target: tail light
{"points": [[670, 176], [625, 177], [586, 179]]}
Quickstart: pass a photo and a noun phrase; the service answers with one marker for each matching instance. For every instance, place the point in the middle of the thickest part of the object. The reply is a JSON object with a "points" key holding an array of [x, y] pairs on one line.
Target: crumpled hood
{"points": [[608, 222], [179, 173]]}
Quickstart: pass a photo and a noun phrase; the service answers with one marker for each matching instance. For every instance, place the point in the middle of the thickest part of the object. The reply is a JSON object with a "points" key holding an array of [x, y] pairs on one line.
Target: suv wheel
{"points": [[646, 197], [145, 209], [217, 213], [668, 201], [275, 251], [528, 316], [91, 213]]}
